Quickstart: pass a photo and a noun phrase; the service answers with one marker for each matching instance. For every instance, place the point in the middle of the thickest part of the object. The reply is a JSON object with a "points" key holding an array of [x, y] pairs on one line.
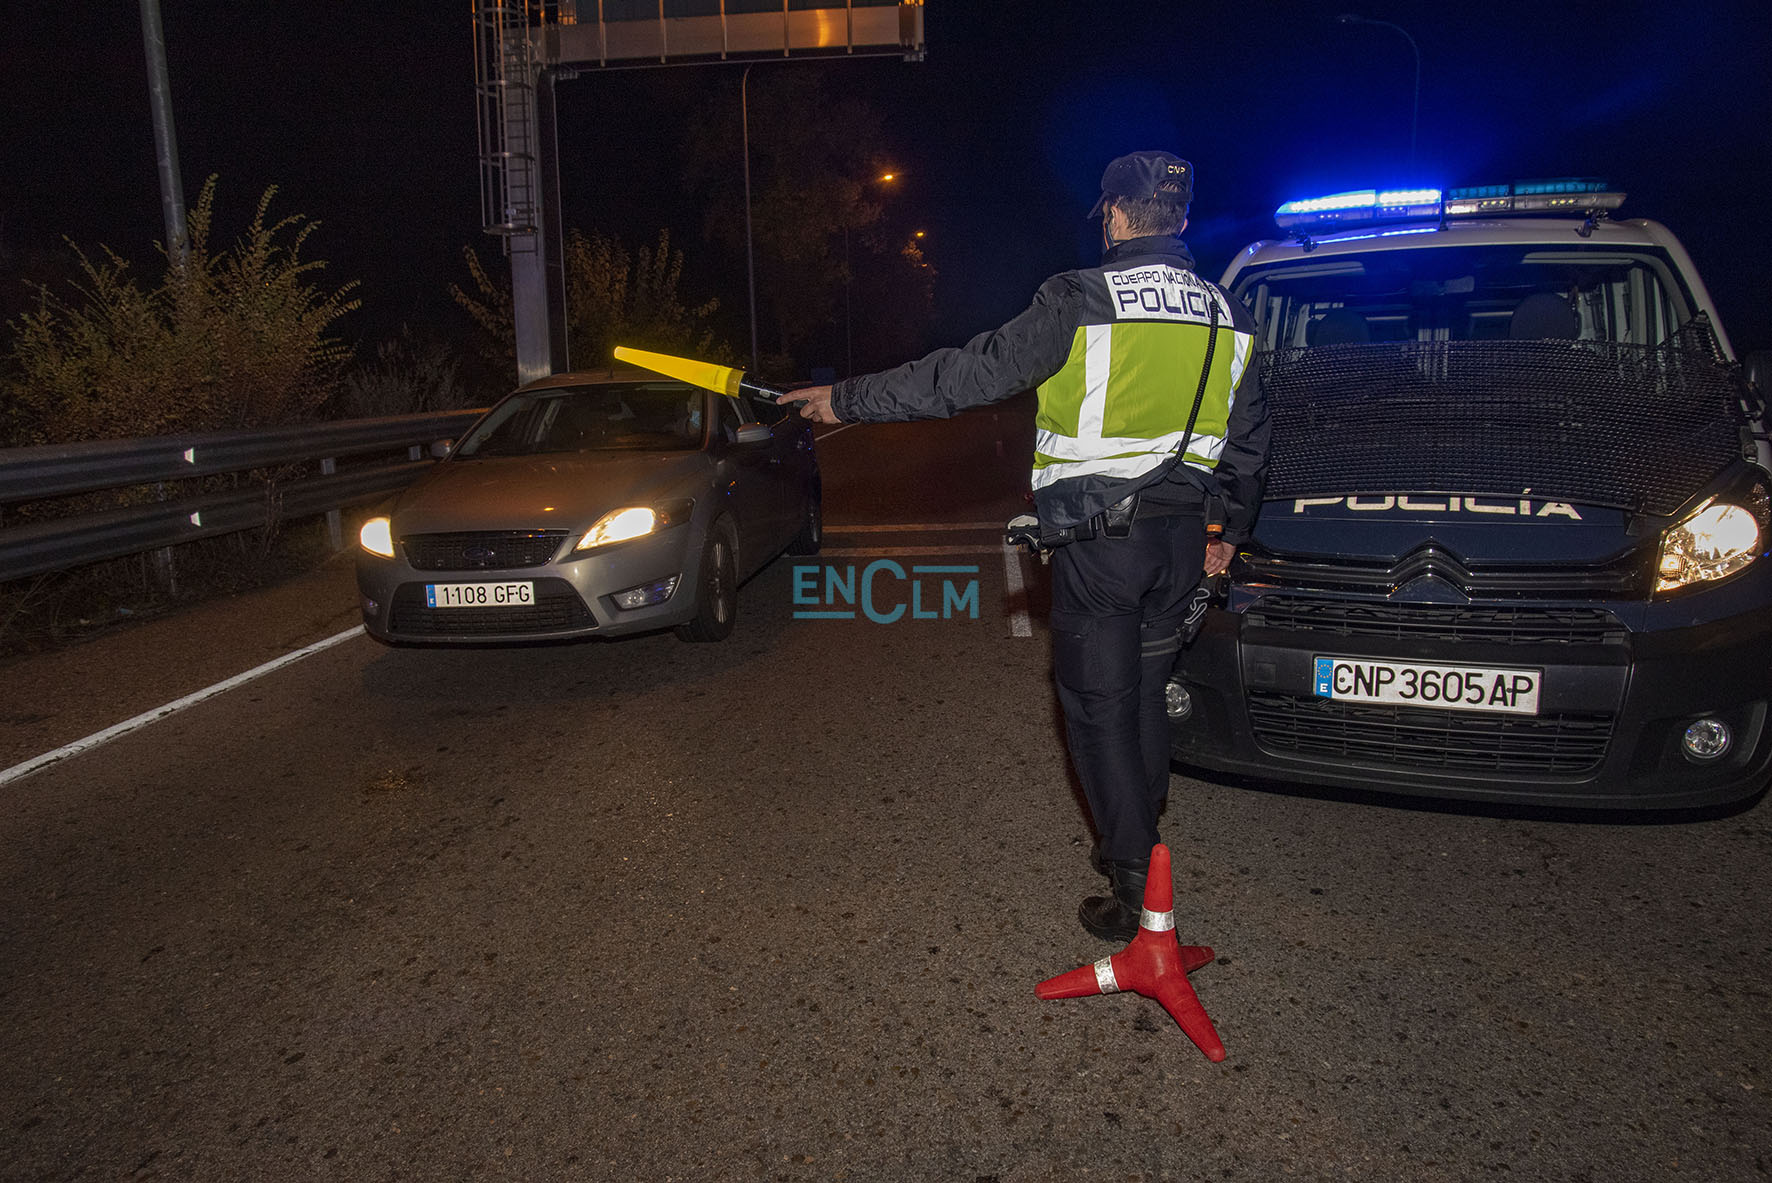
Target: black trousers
{"points": [[1117, 607]]}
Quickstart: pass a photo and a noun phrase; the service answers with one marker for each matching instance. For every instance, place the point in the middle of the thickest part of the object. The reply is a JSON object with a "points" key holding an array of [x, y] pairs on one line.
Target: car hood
{"points": [[565, 491]]}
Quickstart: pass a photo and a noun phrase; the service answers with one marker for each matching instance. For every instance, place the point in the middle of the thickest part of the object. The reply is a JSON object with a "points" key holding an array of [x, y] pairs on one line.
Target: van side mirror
{"points": [[1758, 371], [440, 448]]}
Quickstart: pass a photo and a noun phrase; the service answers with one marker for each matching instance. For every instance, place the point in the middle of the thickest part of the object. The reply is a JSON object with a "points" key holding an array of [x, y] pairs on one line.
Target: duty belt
{"points": [[1113, 522]]}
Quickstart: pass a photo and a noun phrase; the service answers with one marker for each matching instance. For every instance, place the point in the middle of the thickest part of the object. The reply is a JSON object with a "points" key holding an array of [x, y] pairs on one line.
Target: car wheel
{"points": [[811, 535], [716, 600]]}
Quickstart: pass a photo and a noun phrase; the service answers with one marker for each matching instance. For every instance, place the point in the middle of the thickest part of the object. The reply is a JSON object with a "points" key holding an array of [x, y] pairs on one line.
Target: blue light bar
{"points": [[1360, 199], [1585, 195], [1395, 197], [1360, 205], [1560, 185]]}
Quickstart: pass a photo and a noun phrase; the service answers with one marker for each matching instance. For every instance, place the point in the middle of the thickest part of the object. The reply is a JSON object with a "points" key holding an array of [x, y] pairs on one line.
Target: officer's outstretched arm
{"points": [[989, 368], [814, 403]]}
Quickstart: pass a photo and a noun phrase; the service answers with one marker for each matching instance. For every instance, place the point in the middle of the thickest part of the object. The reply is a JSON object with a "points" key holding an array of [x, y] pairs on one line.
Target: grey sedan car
{"points": [[591, 505]]}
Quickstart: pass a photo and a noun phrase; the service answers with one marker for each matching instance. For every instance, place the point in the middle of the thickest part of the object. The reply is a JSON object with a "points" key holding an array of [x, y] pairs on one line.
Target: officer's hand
{"points": [[817, 400], [1218, 556]]}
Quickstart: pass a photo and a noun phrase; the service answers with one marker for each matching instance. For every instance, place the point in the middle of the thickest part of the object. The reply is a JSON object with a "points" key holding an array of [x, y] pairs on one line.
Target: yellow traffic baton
{"points": [[724, 380]]}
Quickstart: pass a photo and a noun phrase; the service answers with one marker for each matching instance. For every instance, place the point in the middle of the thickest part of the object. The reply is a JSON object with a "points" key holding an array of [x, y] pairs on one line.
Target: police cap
{"points": [[1146, 174]]}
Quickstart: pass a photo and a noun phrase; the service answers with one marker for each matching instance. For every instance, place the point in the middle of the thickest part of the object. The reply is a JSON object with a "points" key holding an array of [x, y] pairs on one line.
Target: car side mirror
{"points": [[753, 433], [440, 448]]}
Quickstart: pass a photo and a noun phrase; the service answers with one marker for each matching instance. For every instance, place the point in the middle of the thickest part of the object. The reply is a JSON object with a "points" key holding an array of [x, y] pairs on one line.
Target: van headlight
{"points": [[377, 537], [1721, 538]]}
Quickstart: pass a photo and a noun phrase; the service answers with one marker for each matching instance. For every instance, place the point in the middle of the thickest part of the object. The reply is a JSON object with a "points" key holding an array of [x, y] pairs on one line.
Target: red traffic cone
{"points": [[1154, 964]]}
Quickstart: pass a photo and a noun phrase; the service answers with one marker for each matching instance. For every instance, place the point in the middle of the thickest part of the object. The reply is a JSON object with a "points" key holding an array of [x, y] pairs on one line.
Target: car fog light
{"points": [[1706, 739], [1177, 701], [656, 592]]}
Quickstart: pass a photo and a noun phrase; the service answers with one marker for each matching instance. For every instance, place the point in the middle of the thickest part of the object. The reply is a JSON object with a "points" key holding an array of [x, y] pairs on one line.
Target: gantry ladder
{"points": [[504, 83]]}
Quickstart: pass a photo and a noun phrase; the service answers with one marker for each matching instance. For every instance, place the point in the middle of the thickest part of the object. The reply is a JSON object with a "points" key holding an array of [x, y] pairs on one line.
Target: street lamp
{"points": [[1351, 18]]}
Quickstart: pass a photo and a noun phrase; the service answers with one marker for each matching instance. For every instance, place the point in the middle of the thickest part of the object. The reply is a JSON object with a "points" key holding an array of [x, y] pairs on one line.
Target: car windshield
{"points": [[1471, 293], [607, 417]]}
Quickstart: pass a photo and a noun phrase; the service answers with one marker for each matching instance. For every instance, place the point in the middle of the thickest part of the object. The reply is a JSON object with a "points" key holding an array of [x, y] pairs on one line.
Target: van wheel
{"points": [[716, 598]]}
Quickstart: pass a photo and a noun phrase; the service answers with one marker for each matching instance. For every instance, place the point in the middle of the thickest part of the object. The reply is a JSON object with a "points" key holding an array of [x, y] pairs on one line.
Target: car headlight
{"points": [[635, 521], [377, 537], [619, 525], [1715, 542]]}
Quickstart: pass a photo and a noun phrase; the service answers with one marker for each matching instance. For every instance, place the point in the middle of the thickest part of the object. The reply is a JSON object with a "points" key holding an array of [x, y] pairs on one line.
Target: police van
{"points": [[1517, 501]]}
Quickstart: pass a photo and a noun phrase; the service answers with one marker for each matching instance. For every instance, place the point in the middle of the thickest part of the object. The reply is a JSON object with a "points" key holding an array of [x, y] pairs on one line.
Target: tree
{"points": [[820, 214], [230, 338], [612, 298]]}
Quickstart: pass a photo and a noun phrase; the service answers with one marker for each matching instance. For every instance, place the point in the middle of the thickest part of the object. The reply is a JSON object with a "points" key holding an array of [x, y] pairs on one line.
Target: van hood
{"points": [[1640, 429], [1481, 529]]}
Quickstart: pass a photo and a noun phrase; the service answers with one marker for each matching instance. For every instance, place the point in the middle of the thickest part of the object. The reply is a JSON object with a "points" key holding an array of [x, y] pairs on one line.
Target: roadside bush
{"points": [[46, 612], [410, 375], [613, 297], [231, 338]]}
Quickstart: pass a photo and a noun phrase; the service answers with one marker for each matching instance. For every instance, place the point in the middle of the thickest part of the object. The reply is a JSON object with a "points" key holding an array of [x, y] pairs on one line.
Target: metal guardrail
{"points": [[65, 470]]}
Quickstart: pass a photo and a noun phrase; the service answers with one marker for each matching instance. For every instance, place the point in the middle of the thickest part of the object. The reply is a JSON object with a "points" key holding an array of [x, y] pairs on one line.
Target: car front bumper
{"points": [[573, 595], [1607, 734]]}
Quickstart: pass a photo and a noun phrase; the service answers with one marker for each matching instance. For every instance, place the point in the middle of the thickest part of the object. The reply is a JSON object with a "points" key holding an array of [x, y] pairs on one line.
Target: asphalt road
{"points": [[774, 910]]}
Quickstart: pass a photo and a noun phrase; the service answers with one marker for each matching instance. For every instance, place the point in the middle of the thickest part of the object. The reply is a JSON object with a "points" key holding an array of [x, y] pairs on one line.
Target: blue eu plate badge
{"points": [[1325, 676]]}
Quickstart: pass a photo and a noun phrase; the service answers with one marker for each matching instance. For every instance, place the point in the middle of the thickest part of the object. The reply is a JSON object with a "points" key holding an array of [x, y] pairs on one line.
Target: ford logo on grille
{"points": [[479, 554]]}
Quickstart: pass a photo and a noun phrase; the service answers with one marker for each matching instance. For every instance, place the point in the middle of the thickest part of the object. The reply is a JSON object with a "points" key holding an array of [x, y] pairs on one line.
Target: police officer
{"points": [[1133, 360]]}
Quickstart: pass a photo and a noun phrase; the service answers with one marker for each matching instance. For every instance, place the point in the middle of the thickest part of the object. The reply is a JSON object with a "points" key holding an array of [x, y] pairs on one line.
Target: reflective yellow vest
{"points": [[1120, 404]]}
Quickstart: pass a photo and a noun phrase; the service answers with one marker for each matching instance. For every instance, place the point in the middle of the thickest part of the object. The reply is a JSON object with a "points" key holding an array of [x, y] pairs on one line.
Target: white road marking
{"points": [[849, 552], [911, 527], [100, 738], [1015, 592]]}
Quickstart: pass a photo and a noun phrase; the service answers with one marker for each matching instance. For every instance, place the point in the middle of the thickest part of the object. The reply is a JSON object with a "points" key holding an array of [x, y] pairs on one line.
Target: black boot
{"points": [[1115, 917]]}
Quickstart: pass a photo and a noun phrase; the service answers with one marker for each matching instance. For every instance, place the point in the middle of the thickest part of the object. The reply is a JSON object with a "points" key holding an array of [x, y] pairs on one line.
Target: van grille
{"points": [[1420, 738], [1458, 623]]}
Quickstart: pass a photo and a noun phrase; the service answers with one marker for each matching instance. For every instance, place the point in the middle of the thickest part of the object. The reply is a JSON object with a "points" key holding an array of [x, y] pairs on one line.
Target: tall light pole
{"points": [[1352, 18], [172, 191], [750, 257], [848, 322]]}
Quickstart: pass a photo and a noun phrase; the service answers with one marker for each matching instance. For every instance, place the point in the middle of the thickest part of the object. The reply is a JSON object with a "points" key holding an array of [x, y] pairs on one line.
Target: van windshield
{"points": [[1493, 292], [1577, 374]]}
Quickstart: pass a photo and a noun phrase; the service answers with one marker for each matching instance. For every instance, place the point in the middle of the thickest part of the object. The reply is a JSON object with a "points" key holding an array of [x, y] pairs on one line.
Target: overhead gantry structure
{"points": [[522, 47]]}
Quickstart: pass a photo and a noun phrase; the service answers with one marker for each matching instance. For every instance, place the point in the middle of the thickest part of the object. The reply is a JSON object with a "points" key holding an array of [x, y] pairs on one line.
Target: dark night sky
{"points": [[363, 115]]}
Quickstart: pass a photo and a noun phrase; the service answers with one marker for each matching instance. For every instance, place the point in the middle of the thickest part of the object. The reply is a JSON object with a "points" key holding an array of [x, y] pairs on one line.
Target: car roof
{"points": [[609, 377]]}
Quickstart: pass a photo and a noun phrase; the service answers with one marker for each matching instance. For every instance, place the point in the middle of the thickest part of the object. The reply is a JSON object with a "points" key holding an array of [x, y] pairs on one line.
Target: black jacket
{"points": [[1030, 349]]}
